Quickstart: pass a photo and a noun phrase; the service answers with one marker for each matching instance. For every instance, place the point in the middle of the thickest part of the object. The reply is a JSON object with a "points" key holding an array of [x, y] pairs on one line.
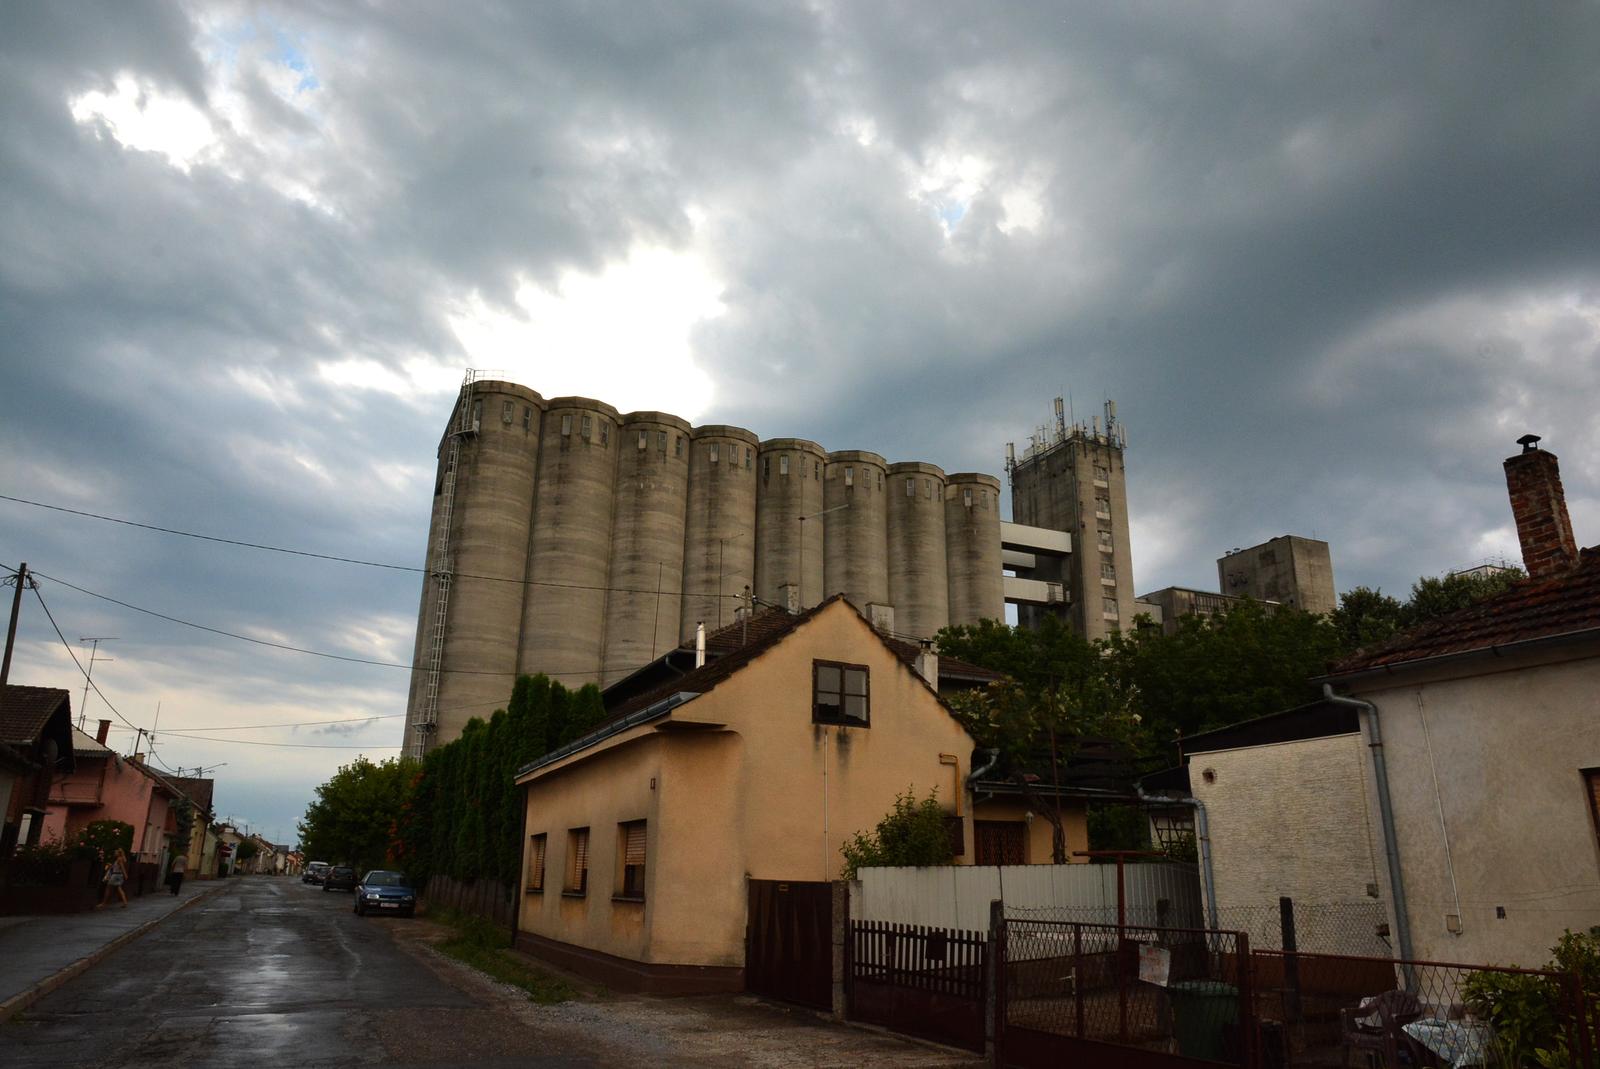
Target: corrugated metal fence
{"points": [[958, 896]]}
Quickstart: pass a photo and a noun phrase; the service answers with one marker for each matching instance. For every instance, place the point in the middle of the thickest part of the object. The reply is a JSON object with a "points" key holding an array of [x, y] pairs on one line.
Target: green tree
{"points": [[912, 833], [355, 811], [1434, 597], [1365, 617]]}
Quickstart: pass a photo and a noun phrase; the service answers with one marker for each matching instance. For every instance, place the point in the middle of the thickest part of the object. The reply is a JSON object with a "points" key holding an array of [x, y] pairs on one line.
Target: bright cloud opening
{"points": [[623, 336], [140, 117]]}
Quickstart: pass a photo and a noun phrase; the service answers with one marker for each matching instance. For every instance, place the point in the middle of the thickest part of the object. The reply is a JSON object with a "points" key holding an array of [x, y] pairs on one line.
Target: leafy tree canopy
{"points": [[353, 815], [1366, 616]]}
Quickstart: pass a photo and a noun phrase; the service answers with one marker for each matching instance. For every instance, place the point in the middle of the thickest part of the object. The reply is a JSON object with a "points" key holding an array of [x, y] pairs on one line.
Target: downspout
{"points": [[1202, 837], [979, 771], [1391, 850]]}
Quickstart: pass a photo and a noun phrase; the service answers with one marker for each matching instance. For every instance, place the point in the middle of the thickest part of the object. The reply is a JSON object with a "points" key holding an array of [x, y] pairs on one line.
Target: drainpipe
{"points": [[1202, 838], [700, 645], [1380, 772]]}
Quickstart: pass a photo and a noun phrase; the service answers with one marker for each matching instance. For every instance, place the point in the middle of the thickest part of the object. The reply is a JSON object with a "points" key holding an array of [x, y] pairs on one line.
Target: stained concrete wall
{"points": [[1289, 569], [788, 529], [719, 548], [1490, 806], [972, 547], [919, 569], [855, 538]]}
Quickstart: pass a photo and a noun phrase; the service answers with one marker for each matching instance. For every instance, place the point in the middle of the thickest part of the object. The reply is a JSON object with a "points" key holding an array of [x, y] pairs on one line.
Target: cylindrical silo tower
{"points": [[919, 581], [719, 541], [788, 529], [466, 649], [643, 607], [972, 546], [855, 537], [569, 553]]}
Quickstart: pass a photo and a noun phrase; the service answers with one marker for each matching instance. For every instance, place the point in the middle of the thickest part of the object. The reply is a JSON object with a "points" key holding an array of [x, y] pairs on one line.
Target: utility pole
{"points": [[22, 580], [94, 649]]}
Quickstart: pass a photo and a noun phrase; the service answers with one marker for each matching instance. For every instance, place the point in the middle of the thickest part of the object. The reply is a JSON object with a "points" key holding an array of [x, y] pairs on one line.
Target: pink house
{"points": [[104, 786]]}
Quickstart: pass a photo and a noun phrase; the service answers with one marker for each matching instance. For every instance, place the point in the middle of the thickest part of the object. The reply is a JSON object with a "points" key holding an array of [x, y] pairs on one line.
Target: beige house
{"points": [[647, 837], [1486, 729]]}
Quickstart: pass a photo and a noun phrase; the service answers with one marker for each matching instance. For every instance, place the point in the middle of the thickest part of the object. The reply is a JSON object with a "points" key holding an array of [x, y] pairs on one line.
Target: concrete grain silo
{"points": [[788, 548], [569, 553], [919, 581], [855, 538], [643, 607], [972, 547], [488, 464], [719, 542]]}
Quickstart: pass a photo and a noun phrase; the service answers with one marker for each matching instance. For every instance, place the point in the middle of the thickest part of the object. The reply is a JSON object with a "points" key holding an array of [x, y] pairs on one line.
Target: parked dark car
{"points": [[340, 878], [315, 872], [385, 891]]}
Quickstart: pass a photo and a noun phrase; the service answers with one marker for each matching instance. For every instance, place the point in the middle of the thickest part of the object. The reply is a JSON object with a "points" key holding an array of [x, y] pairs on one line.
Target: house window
{"points": [[1104, 538], [1108, 606], [577, 862], [1000, 842], [839, 693], [630, 841], [1591, 780], [1108, 571], [536, 851]]}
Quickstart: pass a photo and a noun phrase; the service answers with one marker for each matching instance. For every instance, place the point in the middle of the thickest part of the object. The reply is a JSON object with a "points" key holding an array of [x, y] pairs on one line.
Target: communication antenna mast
{"points": [[88, 675]]}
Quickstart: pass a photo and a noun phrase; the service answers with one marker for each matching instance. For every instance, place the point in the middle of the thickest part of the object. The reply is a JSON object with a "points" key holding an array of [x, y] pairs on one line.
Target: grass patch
{"points": [[485, 946]]}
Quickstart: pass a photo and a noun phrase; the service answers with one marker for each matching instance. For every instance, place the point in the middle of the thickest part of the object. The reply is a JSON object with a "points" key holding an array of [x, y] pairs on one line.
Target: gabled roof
{"points": [[198, 791], [761, 632], [84, 745], [1563, 605], [25, 712]]}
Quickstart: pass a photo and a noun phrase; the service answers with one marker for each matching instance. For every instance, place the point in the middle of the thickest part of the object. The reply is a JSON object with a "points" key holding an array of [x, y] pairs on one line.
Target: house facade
{"points": [[644, 837], [1488, 726], [106, 786], [35, 747]]}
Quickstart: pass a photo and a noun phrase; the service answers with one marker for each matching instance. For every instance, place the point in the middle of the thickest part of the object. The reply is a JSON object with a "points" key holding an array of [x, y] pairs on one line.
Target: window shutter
{"points": [[1592, 775], [536, 864], [582, 844], [633, 844]]}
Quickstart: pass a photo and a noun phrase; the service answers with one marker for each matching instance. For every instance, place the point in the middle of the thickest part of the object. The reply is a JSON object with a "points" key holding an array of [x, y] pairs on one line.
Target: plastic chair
{"points": [[1392, 1009]]}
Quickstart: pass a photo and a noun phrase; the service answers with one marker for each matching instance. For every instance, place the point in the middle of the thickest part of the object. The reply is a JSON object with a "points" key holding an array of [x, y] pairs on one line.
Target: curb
{"points": [[19, 1002]]}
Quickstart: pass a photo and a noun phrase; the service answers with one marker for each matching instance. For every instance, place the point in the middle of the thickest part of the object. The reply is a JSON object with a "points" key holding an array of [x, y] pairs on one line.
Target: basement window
{"points": [[630, 845], [577, 881], [536, 854], [840, 694]]}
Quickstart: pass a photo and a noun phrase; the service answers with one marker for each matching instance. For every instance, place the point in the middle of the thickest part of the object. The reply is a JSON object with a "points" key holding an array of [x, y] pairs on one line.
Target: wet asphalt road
{"points": [[271, 972]]}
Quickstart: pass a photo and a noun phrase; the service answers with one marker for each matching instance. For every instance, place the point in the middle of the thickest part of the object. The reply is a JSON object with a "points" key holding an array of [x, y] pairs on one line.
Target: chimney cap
{"points": [[1528, 442]]}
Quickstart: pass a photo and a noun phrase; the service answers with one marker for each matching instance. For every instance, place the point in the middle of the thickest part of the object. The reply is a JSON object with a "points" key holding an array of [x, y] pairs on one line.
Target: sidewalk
{"points": [[40, 953]]}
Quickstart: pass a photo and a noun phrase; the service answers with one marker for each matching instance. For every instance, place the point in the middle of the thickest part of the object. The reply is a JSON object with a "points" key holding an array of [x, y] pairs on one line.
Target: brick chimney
{"points": [[1539, 506], [105, 729]]}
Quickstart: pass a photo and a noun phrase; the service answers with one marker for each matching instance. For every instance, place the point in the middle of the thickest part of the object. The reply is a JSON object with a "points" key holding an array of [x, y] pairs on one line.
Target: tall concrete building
{"points": [[1289, 569], [571, 539], [1072, 479]]}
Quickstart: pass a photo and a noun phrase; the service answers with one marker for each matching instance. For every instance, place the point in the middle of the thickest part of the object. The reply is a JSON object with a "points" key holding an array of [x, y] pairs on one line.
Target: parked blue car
{"points": [[383, 891]]}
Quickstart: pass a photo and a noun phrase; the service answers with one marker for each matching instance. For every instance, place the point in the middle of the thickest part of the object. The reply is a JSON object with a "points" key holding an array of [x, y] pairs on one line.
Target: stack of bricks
{"points": [[1539, 505]]}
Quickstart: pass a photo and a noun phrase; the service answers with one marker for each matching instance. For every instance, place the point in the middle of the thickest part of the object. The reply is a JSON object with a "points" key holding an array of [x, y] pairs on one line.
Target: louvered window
{"points": [[577, 861], [633, 841], [536, 851]]}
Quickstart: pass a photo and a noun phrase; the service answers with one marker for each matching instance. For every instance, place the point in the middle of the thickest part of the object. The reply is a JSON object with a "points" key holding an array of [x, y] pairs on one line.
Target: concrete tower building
{"points": [[1072, 479], [1288, 569], [582, 543]]}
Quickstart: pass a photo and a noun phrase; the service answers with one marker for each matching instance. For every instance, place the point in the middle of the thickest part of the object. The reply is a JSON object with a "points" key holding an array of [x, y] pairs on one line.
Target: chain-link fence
{"points": [[1359, 927]]}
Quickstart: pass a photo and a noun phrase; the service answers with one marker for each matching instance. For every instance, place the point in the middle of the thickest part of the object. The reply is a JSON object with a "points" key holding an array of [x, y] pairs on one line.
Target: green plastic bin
{"points": [[1200, 1009]]}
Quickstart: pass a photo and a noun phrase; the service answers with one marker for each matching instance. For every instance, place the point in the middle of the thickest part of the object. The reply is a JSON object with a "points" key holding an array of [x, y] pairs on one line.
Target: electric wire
{"points": [[361, 562], [289, 745]]}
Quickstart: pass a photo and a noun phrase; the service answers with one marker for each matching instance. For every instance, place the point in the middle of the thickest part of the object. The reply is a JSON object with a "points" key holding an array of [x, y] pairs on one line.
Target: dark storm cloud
{"points": [[1330, 260]]}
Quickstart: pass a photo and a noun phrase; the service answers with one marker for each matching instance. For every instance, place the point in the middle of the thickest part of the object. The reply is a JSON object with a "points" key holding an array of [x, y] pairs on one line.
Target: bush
{"points": [[101, 839], [912, 833], [1527, 1011]]}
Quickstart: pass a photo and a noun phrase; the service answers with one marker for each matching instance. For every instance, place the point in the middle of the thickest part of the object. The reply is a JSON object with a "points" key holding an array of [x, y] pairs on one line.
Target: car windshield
{"points": [[384, 879]]}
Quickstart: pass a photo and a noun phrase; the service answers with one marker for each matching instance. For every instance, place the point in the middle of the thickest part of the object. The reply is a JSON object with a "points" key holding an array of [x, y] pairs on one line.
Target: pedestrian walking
{"points": [[116, 875], [180, 865]]}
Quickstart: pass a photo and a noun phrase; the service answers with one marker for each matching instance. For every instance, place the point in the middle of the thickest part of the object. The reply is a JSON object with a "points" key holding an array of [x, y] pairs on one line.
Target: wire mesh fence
{"points": [[1325, 1009], [1359, 927], [1163, 990]]}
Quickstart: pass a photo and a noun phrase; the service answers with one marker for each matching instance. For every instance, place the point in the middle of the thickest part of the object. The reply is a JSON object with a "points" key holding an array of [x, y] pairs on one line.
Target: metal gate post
{"points": [[1077, 976], [1249, 1048], [997, 924]]}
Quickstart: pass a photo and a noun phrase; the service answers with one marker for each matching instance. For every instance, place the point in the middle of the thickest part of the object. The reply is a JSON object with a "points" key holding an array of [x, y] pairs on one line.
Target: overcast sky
{"points": [[1330, 260]]}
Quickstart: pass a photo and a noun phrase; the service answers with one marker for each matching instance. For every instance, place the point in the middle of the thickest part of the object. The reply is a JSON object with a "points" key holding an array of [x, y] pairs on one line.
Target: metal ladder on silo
{"points": [[442, 572]]}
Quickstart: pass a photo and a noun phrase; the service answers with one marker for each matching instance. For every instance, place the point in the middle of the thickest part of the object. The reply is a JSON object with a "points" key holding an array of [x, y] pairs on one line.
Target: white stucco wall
{"points": [[1293, 819], [1491, 810]]}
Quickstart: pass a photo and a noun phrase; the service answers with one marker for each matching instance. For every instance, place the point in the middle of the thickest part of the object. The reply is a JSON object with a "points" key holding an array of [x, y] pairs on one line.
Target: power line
{"points": [[359, 561], [284, 646], [291, 724], [95, 686], [291, 745]]}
